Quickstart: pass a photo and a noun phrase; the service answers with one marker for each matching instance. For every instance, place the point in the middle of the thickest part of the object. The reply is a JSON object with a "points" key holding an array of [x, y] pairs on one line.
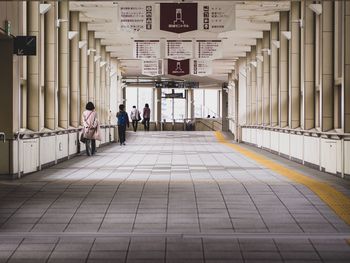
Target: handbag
{"points": [[82, 138], [84, 135], [138, 117]]}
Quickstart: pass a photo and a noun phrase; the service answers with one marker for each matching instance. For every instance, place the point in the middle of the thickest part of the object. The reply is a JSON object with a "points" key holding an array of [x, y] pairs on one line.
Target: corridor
{"points": [[171, 197]]}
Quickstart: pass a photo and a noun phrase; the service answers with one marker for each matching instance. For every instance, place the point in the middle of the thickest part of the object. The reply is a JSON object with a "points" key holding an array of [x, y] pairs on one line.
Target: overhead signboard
{"points": [[152, 67], [216, 17], [177, 95], [24, 46], [208, 49], [178, 67], [136, 17], [178, 17], [201, 67], [147, 49], [179, 49], [176, 84]]}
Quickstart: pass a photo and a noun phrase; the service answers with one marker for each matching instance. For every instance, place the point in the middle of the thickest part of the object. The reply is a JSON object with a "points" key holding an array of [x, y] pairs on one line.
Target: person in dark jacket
{"points": [[146, 115], [123, 122]]}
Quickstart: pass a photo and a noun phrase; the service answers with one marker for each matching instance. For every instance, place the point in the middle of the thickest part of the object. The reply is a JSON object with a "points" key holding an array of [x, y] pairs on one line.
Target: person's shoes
{"points": [[124, 143]]}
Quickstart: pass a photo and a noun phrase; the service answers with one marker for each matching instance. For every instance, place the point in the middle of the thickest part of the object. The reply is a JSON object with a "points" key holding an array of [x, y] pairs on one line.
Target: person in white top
{"points": [[135, 117]]}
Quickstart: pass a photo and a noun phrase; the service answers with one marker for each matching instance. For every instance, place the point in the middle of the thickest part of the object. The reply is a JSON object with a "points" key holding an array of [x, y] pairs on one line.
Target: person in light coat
{"points": [[135, 117], [91, 128]]}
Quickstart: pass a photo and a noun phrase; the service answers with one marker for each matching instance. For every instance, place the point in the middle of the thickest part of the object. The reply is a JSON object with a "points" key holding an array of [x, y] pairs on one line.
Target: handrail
{"points": [[302, 131]]}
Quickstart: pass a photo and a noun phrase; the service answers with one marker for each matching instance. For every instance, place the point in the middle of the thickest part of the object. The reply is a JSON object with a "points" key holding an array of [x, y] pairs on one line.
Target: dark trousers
{"points": [[134, 124], [90, 147], [146, 123], [121, 133]]}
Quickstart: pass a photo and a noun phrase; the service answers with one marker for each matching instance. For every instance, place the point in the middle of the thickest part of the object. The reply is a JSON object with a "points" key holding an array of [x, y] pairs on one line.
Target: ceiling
{"points": [[252, 18]]}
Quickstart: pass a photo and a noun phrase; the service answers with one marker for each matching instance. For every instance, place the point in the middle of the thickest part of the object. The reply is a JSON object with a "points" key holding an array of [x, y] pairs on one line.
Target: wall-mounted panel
{"points": [[253, 135], [346, 157], [73, 143], [47, 154], [284, 143], [312, 150], [244, 134], [62, 146], [259, 138], [30, 155], [296, 146], [274, 141], [329, 155], [266, 139]]}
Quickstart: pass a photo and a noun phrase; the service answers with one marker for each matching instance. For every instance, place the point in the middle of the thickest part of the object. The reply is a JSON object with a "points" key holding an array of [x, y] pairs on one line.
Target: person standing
{"points": [[146, 116], [123, 121], [135, 117], [91, 128]]}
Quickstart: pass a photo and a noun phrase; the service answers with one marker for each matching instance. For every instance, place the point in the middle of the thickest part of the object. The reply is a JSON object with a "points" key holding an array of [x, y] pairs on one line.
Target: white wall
{"points": [[330, 155]]}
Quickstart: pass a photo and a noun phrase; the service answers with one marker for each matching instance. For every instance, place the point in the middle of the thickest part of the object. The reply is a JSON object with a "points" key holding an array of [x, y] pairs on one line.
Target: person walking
{"points": [[123, 122], [135, 117], [91, 128], [146, 115]]}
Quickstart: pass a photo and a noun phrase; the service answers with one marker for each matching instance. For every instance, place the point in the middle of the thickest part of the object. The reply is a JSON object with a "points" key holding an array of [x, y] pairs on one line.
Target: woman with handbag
{"points": [[91, 128]]}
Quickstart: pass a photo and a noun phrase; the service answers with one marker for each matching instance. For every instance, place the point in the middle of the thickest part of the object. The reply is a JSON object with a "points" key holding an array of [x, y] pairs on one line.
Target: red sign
{"points": [[178, 67], [178, 18]]}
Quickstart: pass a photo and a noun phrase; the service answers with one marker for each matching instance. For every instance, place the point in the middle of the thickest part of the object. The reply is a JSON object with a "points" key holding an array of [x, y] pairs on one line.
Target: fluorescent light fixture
{"points": [[44, 8], [254, 63], [112, 74], [82, 44], [72, 34], [267, 50], [287, 34], [260, 58], [102, 63], [96, 58], [316, 8], [90, 50], [276, 43], [59, 21]]}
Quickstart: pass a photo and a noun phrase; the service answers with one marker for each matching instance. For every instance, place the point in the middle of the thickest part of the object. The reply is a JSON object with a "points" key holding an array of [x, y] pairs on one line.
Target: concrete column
{"points": [[309, 66], [327, 65], [186, 104], [274, 74], [259, 79], [224, 110], [91, 67], [253, 94], [97, 76], [50, 121], [33, 63], [103, 110], [159, 107], [294, 98], [346, 75], [63, 68], [108, 87], [283, 70], [83, 67], [74, 72], [266, 78], [249, 89]]}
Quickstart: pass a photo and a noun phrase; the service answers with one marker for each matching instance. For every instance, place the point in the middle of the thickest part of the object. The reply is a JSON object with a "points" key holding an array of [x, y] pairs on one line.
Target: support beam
{"points": [[266, 78], [274, 75], [51, 120], [249, 89], [91, 66], [309, 67], [83, 67], [33, 74], [74, 72], [63, 68], [327, 66], [103, 110], [253, 94], [259, 80], [108, 89], [97, 59], [283, 70], [294, 65], [346, 74]]}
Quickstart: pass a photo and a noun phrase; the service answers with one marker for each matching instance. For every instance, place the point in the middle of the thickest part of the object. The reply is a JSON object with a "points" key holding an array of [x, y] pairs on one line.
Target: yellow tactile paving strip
{"points": [[336, 200]]}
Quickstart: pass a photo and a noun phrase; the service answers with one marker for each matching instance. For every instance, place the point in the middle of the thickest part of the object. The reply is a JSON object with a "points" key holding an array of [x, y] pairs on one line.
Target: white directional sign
{"points": [[201, 67], [216, 17], [152, 67], [136, 17], [179, 49], [147, 49], [209, 49]]}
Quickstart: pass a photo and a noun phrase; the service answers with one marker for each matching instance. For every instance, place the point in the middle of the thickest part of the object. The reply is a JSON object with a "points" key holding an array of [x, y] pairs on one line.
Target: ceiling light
{"points": [[96, 58], [287, 34], [44, 8], [316, 8], [267, 50], [254, 63], [260, 58], [276, 43], [82, 44], [102, 63], [90, 50], [72, 34]]}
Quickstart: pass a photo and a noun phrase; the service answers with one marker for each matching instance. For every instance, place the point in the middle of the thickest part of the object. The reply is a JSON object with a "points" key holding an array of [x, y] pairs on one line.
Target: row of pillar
{"points": [[282, 85], [71, 74]]}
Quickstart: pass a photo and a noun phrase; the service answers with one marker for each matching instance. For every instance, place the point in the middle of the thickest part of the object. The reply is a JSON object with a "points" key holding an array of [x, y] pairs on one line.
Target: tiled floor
{"points": [[168, 197]]}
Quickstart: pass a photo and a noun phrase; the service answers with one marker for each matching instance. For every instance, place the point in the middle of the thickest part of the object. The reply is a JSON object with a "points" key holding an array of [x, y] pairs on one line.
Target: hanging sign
{"points": [[217, 17], [209, 49], [136, 17], [152, 67], [146, 49], [178, 18], [179, 49], [178, 67], [24, 46], [201, 67]]}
